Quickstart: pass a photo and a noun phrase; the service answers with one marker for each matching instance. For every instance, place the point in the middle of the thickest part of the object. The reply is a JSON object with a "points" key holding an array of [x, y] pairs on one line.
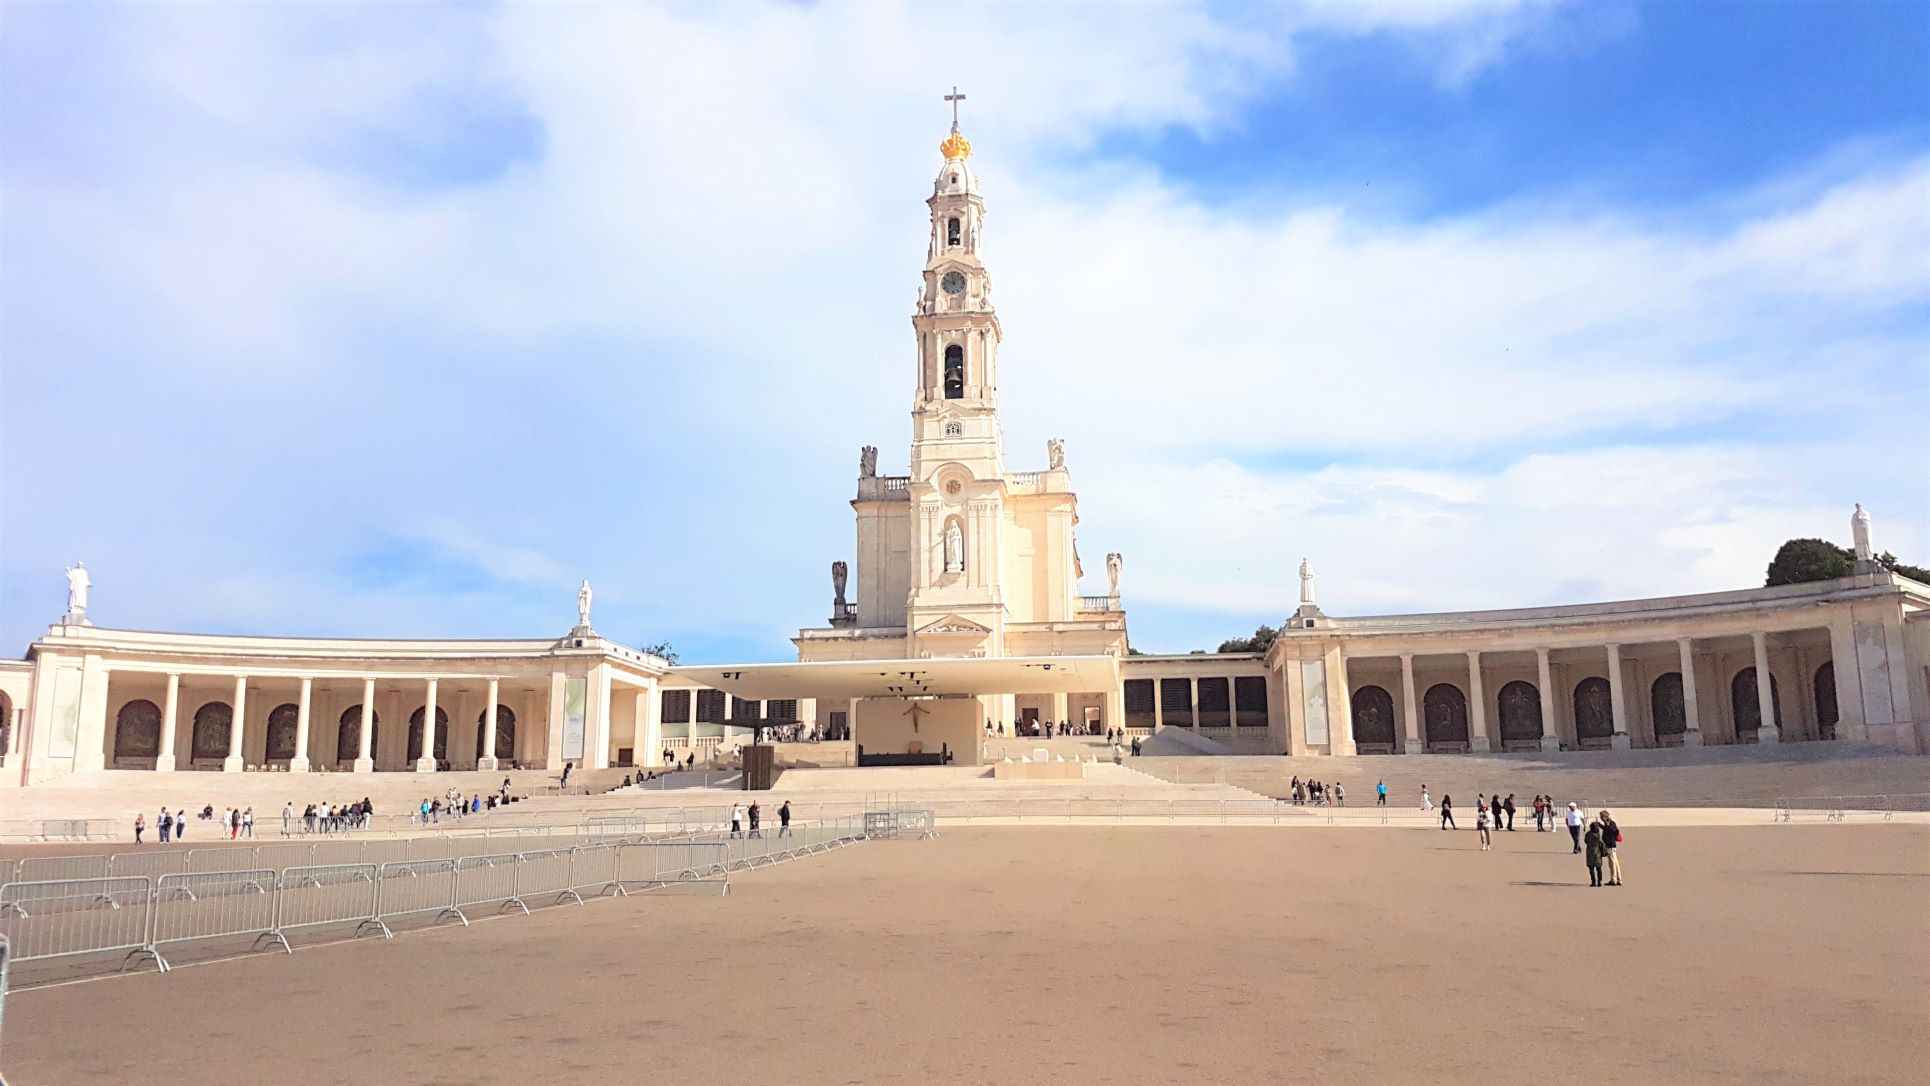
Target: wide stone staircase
{"points": [[1700, 777]]}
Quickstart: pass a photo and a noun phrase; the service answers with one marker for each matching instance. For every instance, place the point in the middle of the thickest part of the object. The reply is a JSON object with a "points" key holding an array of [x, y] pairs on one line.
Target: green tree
{"points": [[1261, 641], [661, 649], [1916, 573], [1801, 560]]}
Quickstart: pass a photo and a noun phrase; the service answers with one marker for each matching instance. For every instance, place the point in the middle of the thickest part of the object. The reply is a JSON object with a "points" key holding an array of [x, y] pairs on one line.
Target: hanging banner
{"points": [[576, 690]]}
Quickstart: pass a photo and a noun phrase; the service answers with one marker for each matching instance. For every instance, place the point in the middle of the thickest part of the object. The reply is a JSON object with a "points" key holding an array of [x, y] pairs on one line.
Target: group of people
{"points": [[1317, 793], [753, 815], [1048, 729], [237, 823], [328, 817], [1596, 840]]}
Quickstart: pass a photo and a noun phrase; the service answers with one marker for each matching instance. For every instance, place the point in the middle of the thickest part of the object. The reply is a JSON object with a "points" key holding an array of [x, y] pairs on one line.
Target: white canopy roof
{"points": [[910, 678]]}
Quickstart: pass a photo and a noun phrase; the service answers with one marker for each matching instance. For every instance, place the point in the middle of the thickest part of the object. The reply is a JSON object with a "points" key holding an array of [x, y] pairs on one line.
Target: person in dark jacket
{"points": [[1611, 857], [1447, 812], [1592, 841], [1494, 808], [1508, 805]]}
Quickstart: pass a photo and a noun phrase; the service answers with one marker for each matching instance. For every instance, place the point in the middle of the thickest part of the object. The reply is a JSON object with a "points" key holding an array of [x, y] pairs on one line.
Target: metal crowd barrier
{"points": [[138, 915], [331, 894], [79, 916], [217, 904]]}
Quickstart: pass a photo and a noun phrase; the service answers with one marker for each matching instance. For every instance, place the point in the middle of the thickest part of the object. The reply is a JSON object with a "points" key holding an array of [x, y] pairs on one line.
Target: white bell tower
{"points": [[957, 485]]}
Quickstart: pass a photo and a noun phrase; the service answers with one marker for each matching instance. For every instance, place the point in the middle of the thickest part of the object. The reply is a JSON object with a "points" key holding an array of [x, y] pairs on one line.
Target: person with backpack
{"points": [[1508, 805], [1592, 842], [1611, 853]]}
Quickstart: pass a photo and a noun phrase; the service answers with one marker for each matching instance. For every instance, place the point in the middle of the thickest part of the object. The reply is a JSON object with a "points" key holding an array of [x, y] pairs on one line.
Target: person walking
{"points": [[181, 825], [1427, 801], [1447, 812], [566, 773], [736, 819], [1508, 805], [140, 823], [234, 823], [1494, 809], [784, 819], [757, 817], [248, 823], [1340, 795], [1380, 793], [1593, 854], [164, 824], [1574, 818], [1481, 827], [1611, 851], [288, 819], [1538, 812]]}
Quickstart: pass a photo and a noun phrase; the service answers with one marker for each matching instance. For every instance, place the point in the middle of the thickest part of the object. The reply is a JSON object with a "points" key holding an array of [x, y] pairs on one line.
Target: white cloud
{"points": [[646, 354]]}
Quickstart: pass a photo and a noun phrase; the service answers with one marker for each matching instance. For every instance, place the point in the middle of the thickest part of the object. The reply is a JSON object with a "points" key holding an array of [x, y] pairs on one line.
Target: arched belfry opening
{"points": [[952, 231], [954, 372]]}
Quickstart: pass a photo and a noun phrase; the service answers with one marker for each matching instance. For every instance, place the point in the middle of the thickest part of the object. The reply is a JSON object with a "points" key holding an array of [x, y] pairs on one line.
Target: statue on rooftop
{"points": [[1113, 562], [77, 585], [1860, 533], [868, 462], [583, 595], [1306, 583], [1055, 453]]}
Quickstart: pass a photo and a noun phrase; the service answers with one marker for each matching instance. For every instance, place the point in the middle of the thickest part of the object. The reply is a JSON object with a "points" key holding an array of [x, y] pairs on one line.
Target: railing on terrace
{"points": [[1099, 604]]}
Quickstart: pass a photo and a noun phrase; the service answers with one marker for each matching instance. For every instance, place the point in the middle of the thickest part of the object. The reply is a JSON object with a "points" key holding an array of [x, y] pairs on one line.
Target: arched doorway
{"points": [[348, 734], [1826, 713], [1444, 711], [1666, 708], [442, 734], [1520, 711], [1373, 721], [1594, 715], [283, 723], [1747, 708], [137, 732], [212, 723], [505, 733]]}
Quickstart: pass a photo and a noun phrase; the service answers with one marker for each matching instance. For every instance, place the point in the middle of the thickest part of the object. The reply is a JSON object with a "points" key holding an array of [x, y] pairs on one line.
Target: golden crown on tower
{"points": [[955, 146]]}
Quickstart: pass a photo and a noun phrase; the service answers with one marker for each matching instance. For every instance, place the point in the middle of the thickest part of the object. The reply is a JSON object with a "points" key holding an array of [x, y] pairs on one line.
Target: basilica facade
{"points": [[960, 615]]}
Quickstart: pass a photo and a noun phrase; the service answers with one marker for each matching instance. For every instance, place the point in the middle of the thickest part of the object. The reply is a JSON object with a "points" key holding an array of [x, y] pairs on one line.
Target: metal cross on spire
{"points": [[954, 98]]}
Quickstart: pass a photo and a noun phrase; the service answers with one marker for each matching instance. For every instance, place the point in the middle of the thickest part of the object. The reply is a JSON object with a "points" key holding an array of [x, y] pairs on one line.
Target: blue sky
{"points": [[313, 320]]}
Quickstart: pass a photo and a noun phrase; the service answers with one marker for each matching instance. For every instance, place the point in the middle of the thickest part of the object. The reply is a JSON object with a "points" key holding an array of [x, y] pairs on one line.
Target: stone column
{"points": [[1193, 685], [553, 744], [170, 716], [1765, 693], [1059, 707], [1618, 740], [364, 756], [90, 743], [486, 757], [650, 725], [299, 763], [234, 762], [427, 762], [1478, 741], [1411, 717], [1545, 686], [1691, 712], [1340, 703]]}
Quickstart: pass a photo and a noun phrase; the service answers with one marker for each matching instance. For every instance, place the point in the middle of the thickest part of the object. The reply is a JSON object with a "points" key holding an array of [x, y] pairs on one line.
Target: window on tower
{"points": [[951, 231], [954, 372]]}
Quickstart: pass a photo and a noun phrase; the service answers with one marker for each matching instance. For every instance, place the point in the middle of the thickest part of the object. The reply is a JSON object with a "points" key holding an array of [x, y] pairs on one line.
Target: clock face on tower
{"points": [[954, 283]]}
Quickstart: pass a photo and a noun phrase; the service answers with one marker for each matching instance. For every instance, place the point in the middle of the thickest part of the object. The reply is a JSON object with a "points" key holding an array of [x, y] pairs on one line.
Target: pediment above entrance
{"points": [[953, 626]]}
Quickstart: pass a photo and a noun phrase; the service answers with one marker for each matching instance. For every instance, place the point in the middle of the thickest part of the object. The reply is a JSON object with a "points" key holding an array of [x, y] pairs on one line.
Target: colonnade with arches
{"points": [[1684, 691]]}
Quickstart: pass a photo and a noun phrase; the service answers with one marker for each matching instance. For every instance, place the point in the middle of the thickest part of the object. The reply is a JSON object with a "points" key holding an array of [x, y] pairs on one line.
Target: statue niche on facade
{"points": [[954, 549]]}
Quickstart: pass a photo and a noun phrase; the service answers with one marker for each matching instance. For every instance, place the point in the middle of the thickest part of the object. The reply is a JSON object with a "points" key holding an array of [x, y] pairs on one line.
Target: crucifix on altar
{"points": [[914, 712]]}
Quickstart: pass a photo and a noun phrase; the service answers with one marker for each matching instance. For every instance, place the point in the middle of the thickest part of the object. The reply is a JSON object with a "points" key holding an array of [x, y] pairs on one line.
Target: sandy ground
{"points": [[1768, 955]]}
